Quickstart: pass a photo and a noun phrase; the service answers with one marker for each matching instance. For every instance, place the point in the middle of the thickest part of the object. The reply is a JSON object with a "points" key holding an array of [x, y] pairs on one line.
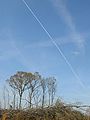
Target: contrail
{"points": [[55, 44]]}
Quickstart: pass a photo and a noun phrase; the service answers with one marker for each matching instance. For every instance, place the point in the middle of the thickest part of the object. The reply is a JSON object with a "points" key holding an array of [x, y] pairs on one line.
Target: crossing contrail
{"points": [[55, 44]]}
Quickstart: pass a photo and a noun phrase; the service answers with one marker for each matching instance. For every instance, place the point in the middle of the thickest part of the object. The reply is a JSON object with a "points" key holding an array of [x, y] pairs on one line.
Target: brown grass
{"points": [[49, 113]]}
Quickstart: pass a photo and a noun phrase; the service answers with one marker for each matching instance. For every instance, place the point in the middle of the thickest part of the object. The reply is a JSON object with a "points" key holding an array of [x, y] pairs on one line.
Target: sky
{"points": [[25, 46]]}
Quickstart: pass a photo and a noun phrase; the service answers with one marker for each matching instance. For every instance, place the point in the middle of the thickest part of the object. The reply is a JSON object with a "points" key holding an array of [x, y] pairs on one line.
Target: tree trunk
{"points": [[30, 101], [52, 99], [43, 99], [14, 97], [49, 99], [20, 101]]}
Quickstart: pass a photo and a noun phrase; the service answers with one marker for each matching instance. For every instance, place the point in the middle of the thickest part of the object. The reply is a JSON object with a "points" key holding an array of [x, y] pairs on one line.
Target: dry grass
{"points": [[57, 112]]}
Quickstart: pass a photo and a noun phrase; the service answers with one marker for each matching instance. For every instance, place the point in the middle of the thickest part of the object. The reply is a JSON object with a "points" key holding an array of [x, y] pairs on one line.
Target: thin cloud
{"points": [[9, 49], [74, 37], [39, 44], [66, 40], [65, 14], [76, 53]]}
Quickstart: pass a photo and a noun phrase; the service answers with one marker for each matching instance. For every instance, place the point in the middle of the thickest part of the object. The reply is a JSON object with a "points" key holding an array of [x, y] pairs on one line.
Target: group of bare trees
{"points": [[31, 88]]}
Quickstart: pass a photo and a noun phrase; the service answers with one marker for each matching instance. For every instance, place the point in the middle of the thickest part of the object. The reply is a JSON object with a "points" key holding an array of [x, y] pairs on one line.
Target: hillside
{"points": [[57, 112]]}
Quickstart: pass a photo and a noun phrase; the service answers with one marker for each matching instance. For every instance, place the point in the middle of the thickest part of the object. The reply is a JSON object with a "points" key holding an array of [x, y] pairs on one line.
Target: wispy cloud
{"points": [[76, 38], [76, 53], [39, 44], [62, 41], [65, 14], [9, 49], [6, 49]]}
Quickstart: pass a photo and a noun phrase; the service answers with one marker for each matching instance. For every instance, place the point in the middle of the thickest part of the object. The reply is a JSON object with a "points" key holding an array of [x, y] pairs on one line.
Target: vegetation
{"points": [[56, 112], [32, 89], [36, 100]]}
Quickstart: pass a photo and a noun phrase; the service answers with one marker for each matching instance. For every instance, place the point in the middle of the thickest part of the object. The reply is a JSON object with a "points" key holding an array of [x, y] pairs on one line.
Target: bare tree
{"points": [[51, 85], [8, 98], [31, 89], [43, 86], [19, 83], [33, 85], [37, 98], [14, 98], [4, 97], [17, 102]]}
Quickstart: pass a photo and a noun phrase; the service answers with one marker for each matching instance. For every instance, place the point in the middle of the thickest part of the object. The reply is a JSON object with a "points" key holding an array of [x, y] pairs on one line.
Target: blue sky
{"points": [[24, 45]]}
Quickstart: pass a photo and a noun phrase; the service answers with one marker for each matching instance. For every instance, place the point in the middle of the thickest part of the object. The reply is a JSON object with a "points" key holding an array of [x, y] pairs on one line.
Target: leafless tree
{"points": [[51, 85], [33, 86], [43, 86], [19, 83], [7, 97], [14, 98], [4, 97], [17, 102], [37, 98]]}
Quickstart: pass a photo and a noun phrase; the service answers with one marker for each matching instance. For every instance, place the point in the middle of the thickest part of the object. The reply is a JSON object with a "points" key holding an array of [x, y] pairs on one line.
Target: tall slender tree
{"points": [[19, 83], [43, 86], [51, 85], [33, 86]]}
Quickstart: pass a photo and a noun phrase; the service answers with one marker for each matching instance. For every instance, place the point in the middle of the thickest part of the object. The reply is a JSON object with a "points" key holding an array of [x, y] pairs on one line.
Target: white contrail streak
{"points": [[55, 44]]}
